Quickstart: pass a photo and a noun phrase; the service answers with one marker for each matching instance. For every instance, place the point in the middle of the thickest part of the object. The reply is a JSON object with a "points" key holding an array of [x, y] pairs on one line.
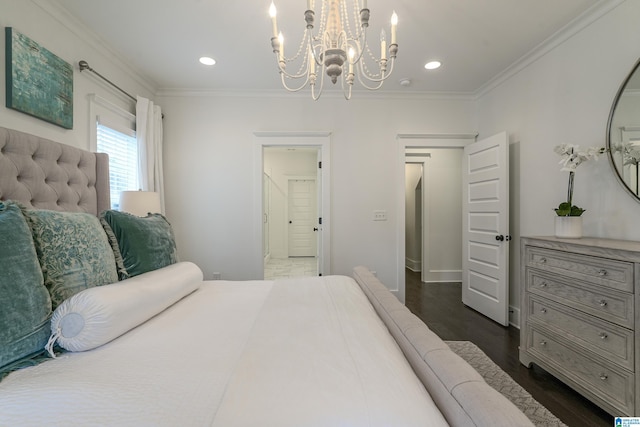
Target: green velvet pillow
{"points": [[25, 306], [74, 252], [142, 243]]}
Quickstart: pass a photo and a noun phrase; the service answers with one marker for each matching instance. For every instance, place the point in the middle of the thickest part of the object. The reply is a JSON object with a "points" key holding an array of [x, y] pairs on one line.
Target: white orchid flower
{"points": [[572, 156]]}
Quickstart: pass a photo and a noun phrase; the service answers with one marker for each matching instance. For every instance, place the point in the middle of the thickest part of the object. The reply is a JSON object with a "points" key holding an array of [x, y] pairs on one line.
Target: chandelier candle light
{"points": [[338, 49]]}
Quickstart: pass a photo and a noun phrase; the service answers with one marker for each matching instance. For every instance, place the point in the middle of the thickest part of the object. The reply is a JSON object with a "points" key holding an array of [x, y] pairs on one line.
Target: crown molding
{"points": [[58, 12], [578, 24], [357, 95], [75, 26]]}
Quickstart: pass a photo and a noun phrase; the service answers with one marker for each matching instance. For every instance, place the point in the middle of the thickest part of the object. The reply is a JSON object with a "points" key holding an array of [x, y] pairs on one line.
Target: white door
{"points": [[302, 218], [485, 227], [318, 228]]}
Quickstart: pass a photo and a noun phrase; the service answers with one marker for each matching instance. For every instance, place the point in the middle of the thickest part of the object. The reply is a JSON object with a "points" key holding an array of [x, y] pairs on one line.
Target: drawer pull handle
{"points": [[603, 335], [602, 272], [543, 260], [543, 310], [603, 376], [543, 343], [602, 303], [543, 284]]}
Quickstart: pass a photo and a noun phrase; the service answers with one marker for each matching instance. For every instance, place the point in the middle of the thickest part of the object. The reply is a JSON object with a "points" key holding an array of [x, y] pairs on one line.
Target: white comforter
{"points": [[303, 352]]}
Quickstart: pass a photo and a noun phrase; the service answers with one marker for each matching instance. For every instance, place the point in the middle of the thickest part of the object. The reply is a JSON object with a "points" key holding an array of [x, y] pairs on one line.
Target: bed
{"points": [[126, 340]]}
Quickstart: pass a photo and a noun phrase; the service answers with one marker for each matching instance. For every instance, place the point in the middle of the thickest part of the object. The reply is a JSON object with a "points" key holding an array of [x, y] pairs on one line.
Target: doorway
{"points": [[291, 211], [406, 144], [433, 214], [292, 203]]}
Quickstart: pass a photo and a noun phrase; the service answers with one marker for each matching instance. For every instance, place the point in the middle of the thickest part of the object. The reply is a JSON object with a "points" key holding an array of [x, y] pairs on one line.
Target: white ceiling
{"points": [[475, 40]]}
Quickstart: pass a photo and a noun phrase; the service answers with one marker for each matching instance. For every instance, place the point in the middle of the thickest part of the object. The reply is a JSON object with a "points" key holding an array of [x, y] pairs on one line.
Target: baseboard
{"points": [[413, 264], [438, 276], [514, 317]]}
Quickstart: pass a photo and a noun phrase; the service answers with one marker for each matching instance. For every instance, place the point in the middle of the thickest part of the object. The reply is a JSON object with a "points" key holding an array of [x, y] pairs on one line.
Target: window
{"points": [[122, 149]]}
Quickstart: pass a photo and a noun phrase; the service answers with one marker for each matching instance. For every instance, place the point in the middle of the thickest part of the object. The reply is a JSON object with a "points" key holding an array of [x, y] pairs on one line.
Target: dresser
{"points": [[580, 314]]}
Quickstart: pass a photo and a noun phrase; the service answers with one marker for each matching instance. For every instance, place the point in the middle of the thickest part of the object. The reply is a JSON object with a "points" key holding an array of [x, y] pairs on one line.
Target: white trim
{"points": [[407, 141], [578, 24], [306, 134], [318, 139], [414, 265], [97, 103], [79, 29], [514, 316], [58, 12], [383, 94]]}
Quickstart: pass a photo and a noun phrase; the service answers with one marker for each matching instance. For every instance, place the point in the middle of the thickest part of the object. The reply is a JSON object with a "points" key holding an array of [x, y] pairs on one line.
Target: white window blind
{"points": [[123, 159]]}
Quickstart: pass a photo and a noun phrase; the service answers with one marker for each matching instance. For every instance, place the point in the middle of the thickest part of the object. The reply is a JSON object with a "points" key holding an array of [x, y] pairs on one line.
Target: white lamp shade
{"points": [[140, 203]]}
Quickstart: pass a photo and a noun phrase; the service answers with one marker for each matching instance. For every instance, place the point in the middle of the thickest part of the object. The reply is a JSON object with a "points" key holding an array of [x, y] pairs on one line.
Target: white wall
{"points": [[565, 96], [209, 169], [52, 29]]}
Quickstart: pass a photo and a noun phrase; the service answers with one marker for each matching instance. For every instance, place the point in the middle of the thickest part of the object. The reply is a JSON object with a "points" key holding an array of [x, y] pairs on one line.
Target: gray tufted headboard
{"points": [[43, 174]]}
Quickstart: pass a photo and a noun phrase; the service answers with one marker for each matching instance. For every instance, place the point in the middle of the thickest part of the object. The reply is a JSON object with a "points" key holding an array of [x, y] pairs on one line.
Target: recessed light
{"points": [[432, 65], [207, 60]]}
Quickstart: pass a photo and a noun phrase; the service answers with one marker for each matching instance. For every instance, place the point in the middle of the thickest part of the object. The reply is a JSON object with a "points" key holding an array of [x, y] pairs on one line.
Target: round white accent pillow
{"points": [[98, 315]]}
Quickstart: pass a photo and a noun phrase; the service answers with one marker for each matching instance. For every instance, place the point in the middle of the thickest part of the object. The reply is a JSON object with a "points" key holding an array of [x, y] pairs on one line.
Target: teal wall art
{"points": [[39, 83]]}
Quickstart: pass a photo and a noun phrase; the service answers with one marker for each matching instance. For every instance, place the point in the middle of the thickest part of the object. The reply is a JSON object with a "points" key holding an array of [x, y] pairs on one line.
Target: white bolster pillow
{"points": [[98, 315]]}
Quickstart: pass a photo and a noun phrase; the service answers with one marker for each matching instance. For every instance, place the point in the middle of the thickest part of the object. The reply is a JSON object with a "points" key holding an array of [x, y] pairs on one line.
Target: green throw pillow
{"points": [[25, 306], [74, 252], [142, 243]]}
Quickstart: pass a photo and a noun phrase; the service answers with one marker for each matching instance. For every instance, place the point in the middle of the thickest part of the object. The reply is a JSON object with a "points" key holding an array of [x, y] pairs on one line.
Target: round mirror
{"points": [[623, 133]]}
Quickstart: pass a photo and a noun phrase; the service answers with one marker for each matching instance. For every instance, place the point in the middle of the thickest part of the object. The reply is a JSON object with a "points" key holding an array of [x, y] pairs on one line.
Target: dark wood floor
{"points": [[440, 306]]}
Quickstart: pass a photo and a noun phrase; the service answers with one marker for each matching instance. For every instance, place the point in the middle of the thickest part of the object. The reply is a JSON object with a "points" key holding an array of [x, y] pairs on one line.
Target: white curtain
{"points": [[149, 136]]}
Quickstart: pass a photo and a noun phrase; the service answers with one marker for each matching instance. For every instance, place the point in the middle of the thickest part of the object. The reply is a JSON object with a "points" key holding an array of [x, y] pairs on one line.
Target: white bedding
{"points": [[303, 352]]}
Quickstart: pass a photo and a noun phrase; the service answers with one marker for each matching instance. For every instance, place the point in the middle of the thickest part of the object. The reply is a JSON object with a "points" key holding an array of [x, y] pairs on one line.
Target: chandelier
{"points": [[338, 49]]}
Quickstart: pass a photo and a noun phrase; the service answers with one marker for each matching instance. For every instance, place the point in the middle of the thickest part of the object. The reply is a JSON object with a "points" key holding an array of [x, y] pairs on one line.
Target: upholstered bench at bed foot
{"points": [[461, 394]]}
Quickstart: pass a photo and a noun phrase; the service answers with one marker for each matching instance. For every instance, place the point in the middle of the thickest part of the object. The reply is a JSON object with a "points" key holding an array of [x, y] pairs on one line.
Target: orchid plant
{"points": [[573, 156]]}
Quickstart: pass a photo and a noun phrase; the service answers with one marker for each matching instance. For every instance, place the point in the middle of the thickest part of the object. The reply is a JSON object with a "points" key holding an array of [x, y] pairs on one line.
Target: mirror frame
{"points": [[616, 100]]}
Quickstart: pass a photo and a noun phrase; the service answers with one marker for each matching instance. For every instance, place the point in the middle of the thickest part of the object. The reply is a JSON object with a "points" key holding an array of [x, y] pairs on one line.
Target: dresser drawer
{"points": [[610, 341], [602, 271], [613, 386], [608, 304]]}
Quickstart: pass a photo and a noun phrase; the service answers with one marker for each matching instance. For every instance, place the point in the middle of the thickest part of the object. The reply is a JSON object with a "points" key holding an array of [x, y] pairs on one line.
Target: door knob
{"points": [[500, 237], [315, 228]]}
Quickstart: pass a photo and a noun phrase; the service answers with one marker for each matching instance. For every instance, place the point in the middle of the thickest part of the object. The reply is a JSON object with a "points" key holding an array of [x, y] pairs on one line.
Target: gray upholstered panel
{"points": [[463, 397], [44, 174]]}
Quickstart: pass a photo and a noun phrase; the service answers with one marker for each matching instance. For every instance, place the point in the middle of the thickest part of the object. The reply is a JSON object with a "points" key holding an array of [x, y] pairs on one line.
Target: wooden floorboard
{"points": [[440, 306]]}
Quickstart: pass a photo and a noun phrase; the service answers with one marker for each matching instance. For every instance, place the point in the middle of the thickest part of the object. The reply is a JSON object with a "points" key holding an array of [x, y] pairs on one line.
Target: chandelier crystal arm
{"points": [[292, 89], [336, 50], [386, 69]]}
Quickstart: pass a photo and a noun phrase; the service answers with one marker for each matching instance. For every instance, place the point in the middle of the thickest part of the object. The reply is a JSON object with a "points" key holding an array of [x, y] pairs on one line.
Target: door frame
{"points": [[321, 140], [408, 141], [422, 160]]}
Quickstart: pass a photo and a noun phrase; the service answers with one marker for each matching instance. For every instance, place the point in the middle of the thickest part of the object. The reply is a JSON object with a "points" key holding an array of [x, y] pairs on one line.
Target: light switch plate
{"points": [[379, 215]]}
